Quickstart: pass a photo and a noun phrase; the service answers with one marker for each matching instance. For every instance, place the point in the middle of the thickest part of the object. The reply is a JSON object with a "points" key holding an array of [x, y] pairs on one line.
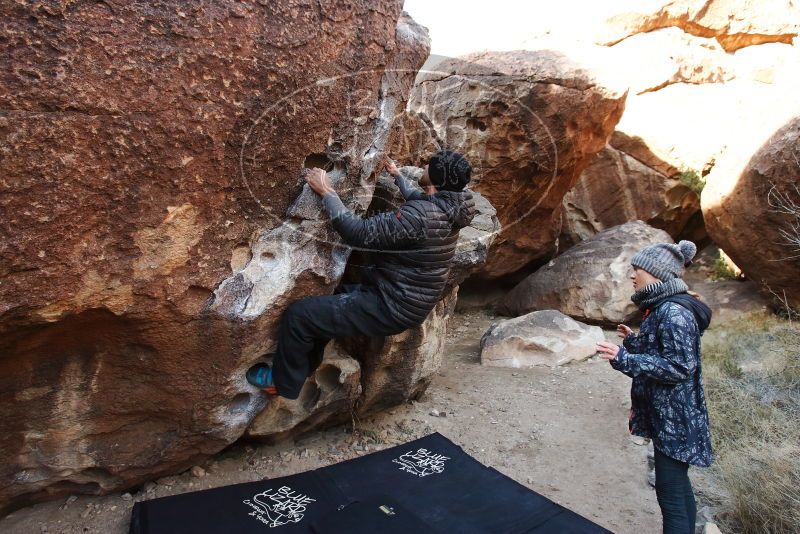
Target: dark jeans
{"points": [[675, 496], [308, 324]]}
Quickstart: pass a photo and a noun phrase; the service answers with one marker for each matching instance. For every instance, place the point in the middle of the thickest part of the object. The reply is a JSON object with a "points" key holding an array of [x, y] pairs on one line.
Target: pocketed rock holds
{"points": [[590, 281], [150, 157], [545, 337], [529, 122], [327, 397]]}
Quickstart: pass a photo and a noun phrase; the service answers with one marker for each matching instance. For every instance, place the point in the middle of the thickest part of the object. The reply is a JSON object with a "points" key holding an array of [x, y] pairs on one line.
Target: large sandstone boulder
{"points": [[589, 282], [651, 61], [705, 75], [546, 337], [731, 300], [617, 188], [752, 210], [529, 122], [733, 23], [152, 231]]}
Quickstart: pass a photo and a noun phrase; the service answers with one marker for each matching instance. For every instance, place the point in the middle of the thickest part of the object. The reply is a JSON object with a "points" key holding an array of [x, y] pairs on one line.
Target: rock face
{"points": [[752, 211], [617, 187], [545, 337], [731, 300], [589, 282], [710, 82], [399, 368], [733, 23], [327, 398], [152, 233], [529, 123]]}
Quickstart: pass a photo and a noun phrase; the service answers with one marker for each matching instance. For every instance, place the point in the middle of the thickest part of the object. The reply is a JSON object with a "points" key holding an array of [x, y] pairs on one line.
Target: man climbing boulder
{"points": [[413, 247]]}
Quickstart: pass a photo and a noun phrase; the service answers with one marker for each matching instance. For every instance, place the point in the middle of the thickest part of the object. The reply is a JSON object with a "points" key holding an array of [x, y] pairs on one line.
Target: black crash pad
{"points": [[427, 485]]}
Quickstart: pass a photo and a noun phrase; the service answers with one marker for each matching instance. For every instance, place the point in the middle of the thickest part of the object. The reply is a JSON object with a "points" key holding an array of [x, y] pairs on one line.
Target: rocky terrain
{"points": [[155, 225], [534, 425]]}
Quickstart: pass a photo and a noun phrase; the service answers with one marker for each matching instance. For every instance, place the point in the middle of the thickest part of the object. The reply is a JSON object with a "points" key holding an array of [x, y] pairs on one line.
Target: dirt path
{"points": [[562, 432]]}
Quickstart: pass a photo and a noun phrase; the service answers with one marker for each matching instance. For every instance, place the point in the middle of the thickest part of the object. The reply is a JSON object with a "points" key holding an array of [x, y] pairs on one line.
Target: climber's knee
{"points": [[297, 310]]}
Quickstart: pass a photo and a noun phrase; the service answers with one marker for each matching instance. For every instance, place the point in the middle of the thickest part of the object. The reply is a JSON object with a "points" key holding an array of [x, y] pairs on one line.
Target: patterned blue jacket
{"points": [[668, 403]]}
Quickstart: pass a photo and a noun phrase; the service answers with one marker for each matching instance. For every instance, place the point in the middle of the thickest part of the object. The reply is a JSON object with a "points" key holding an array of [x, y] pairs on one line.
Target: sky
{"points": [[458, 27]]}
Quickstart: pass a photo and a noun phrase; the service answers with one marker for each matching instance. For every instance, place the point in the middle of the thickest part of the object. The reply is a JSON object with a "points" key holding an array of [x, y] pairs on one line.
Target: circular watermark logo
{"points": [[462, 107]]}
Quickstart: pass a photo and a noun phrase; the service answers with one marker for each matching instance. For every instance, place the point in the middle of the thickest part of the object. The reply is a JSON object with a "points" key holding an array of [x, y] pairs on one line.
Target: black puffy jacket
{"points": [[413, 246]]}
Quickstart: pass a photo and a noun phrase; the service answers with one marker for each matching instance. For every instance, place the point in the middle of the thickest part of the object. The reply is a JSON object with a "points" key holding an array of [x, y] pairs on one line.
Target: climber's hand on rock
{"points": [[608, 351], [391, 168], [623, 331], [317, 180]]}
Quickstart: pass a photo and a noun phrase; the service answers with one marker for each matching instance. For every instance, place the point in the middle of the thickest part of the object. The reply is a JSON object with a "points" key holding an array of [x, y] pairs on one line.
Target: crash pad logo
{"points": [[278, 507], [422, 462]]}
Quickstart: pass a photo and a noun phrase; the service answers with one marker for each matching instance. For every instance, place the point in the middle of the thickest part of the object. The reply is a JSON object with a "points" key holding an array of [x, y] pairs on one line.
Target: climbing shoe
{"points": [[260, 375]]}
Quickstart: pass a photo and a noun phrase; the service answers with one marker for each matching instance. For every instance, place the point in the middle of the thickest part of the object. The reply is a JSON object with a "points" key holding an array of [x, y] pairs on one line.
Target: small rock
{"points": [[71, 499], [127, 497], [711, 528], [198, 471], [638, 440], [149, 487], [438, 413], [705, 515]]}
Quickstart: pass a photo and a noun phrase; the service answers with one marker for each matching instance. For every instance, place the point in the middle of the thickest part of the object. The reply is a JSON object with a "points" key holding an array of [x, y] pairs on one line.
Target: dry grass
{"points": [[753, 387]]}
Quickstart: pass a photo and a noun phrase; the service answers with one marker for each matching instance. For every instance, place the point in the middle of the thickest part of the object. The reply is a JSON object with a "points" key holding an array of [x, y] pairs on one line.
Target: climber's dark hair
{"points": [[449, 170]]}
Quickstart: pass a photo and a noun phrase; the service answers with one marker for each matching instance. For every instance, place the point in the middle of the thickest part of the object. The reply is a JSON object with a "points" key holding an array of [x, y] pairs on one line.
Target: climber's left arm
{"points": [[385, 231], [392, 230]]}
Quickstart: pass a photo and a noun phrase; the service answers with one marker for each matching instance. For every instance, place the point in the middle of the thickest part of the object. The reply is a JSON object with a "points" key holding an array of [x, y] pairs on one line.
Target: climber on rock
{"points": [[413, 247]]}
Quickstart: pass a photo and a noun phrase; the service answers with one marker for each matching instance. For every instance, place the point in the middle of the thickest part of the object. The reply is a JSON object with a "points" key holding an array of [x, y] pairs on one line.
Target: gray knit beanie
{"points": [[665, 261]]}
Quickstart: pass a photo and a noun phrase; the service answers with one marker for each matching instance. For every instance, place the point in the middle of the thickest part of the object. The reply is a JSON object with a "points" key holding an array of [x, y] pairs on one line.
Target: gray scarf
{"points": [[652, 293]]}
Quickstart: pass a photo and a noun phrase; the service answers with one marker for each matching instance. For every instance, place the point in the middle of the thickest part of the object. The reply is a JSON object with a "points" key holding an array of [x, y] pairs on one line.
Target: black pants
{"points": [[675, 495], [308, 324]]}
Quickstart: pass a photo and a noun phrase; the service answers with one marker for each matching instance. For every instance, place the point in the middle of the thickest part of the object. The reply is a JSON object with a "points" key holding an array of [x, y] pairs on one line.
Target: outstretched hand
{"points": [[391, 167], [608, 351], [623, 331], [317, 180]]}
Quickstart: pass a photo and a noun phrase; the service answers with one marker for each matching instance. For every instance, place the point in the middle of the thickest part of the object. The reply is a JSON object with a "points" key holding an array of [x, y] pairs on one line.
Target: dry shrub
{"points": [[754, 405]]}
